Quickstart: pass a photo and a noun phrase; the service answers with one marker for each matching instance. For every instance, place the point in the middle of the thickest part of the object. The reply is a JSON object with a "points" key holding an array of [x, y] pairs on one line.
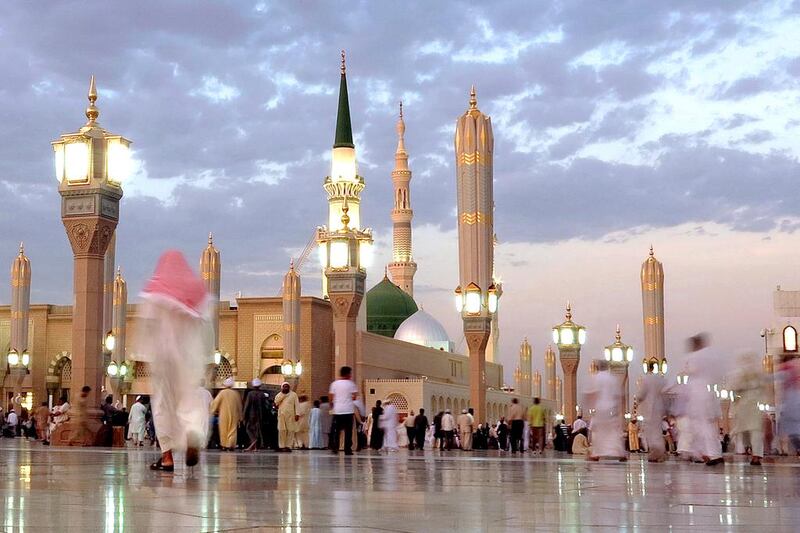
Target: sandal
{"points": [[158, 465]]}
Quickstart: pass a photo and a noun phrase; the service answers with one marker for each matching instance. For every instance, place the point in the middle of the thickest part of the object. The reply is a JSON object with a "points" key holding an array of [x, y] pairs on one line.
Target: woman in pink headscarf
{"points": [[176, 340]]}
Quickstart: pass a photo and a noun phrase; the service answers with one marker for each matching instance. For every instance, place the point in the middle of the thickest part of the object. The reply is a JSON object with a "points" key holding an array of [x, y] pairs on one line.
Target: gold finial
{"points": [[291, 264], [651, 250], [210, 238], [473, 100], [119, 271], [344, 67], [92, 112], [21, 248], [618, 335], [345, 217], [569, 311], [401, 109], [385, 272]]}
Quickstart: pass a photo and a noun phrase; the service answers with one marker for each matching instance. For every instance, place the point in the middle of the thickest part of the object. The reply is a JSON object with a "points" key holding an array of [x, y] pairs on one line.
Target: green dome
{"points": [[387, 307]]}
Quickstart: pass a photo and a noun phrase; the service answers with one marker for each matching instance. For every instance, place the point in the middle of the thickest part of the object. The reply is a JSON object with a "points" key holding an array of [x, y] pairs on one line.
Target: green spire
{"points": [[344, 132]]}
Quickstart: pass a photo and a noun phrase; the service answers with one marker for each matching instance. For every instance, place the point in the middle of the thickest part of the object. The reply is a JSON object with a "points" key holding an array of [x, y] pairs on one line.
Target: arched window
{"points": [[399, 401], [274, 369], [224, 371], [66, 373], [272, 347], [789, 339]]}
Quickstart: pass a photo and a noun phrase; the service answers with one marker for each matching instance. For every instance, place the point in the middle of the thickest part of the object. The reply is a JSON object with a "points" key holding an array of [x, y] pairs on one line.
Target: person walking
{"points": [[449, 429], [516, 415], [420, 429], [651, 406], [408, 423], [438, 434], [604, 396], [136, 421], [536, 418], [376, 432], [254, 405], [465, 429], [228, 406], [388, 424], [325, 420], [303, 411], [173, 337], [42, 419], [343, 393], [315, 441], [288, 415]]}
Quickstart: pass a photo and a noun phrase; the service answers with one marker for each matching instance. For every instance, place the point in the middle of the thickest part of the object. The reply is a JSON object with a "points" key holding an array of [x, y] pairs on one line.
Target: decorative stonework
{"points": [[89, 236], [346, 306]]}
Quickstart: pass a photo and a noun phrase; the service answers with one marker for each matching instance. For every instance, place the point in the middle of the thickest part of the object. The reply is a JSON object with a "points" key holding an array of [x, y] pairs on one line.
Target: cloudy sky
{"points": [[617, 125]]}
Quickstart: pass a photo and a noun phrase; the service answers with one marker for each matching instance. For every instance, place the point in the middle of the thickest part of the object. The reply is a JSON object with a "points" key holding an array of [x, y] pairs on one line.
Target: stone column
{"points": [[477, 331], [346, 291], [569, 364]]}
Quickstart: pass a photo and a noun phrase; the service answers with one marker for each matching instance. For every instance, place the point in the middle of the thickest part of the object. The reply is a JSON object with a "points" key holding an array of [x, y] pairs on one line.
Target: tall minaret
{"points": [[210, 269], [550, 373], [345, 247], [120, 308], [20, 301], [291, 315], [525, 354], [653, 309], [402, 266], [474, 147], [537, 384]]}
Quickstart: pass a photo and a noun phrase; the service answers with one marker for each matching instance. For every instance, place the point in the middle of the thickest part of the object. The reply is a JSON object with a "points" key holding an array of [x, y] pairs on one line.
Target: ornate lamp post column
{"points": [[569, 337], [18, 356], [291, 368], [652, 275], [118, 370], [90, 167], [476, 295], [619, 355]]}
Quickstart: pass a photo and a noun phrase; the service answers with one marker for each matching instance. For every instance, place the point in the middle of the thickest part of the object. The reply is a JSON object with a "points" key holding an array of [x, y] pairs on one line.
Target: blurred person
{"points": [[699, 402], [343, 393], [421, 426], [604, 397], [465, 429], [42, 420], [789, 418], [502, 434], [136, 421], [536, 418], [288, 405], [580, 443], [325, 420], [228, 406], [315, 428], [375, 430], [408, 423], [254, 405], [388, 423], [633, 436], [516, 415], [438, 434], [175, 338], [748, 424], [303, 410], [651, 406], [448, 428]]}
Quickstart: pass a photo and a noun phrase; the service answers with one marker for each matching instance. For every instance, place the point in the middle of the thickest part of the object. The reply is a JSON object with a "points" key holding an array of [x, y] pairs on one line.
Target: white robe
{"points": [[606, 425], [389, 423], [136, 422], [178, 347]]}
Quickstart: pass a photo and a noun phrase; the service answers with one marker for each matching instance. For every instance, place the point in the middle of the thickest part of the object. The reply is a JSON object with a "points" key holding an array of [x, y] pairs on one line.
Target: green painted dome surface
{"points": [[387, 307]]}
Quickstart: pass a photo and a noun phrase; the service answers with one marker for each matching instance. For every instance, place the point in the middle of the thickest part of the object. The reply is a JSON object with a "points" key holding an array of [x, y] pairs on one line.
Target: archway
{"points": [[271, 359]]}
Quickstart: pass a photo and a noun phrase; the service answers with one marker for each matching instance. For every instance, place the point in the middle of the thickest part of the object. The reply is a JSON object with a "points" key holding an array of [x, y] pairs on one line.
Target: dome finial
{"points": [[21, 248], [210, 238], [344, 66], [618, 334], [291, 263], [651, 250], [569, 311], [473, 100], [385, 272], [92, 112]]}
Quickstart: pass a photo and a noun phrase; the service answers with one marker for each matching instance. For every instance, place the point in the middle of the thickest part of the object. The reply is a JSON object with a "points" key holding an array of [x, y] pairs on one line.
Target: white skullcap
{"points": [[286, 383], [463, 411], [256, 383], [228, 383]]}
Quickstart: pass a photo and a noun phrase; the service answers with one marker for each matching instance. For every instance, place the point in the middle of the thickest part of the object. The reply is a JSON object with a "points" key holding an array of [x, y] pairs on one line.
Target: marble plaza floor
{"points": [[57, 489]]}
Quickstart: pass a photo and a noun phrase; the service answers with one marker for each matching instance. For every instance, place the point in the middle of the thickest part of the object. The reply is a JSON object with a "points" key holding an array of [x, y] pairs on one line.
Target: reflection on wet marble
{"points": [[112, 490]]}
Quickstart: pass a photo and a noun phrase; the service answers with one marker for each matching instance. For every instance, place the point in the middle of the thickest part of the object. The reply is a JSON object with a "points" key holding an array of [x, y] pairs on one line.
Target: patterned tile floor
{"points": [[57, 489]]}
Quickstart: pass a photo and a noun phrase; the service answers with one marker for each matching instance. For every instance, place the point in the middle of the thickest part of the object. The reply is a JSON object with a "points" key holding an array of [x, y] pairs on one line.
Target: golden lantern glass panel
{"points": [[629, 354], [607, 354], [59, 161], [616, 355], [567, 336], [13, 358], [366, 254], [26, 358], [340, 254], [493, 300], [459, 299], [76, 161], [113, 369], [555, 335], [581, 336], [473, 301], [118, 161]]}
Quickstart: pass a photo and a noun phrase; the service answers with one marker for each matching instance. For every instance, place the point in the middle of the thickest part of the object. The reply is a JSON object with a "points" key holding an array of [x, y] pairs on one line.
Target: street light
{"points": [[109, 342], [13, 358], [217, 357], [568, 333], [291, 370]]}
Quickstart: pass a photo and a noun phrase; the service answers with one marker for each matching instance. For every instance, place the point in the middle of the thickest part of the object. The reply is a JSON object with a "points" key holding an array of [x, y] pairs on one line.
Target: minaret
{"points": [[402, 266], [525, 354], [474, 147], [550, 373], [20, 301], [120, 308], [345, 247], [493, 347], [291, 315], [653, 309], [559, 395], [537, 384], [210, 269]]}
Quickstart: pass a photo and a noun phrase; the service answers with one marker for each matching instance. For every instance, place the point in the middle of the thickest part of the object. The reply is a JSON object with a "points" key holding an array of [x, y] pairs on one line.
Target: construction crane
{"points": [[301, 259]]}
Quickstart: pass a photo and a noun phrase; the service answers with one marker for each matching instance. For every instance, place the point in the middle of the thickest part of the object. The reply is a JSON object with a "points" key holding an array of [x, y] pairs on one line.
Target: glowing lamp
{"points": [[13, 358], [492, 298], [366, 254], [112, 369], [459, 296], [109, 342], [473, 299], [26, 358], [118, 159], [340, 255], [217, 357]]}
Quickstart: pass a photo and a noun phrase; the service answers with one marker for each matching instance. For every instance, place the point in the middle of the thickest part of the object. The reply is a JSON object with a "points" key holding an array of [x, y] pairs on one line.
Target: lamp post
{"points": [[619, 355], [569, 337], [18, 356], [91, 165], [18, 368]]}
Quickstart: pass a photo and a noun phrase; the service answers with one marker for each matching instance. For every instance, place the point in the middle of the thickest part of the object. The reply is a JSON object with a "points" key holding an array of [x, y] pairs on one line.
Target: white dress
{"points": [[606, 425], [388, 423]]}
